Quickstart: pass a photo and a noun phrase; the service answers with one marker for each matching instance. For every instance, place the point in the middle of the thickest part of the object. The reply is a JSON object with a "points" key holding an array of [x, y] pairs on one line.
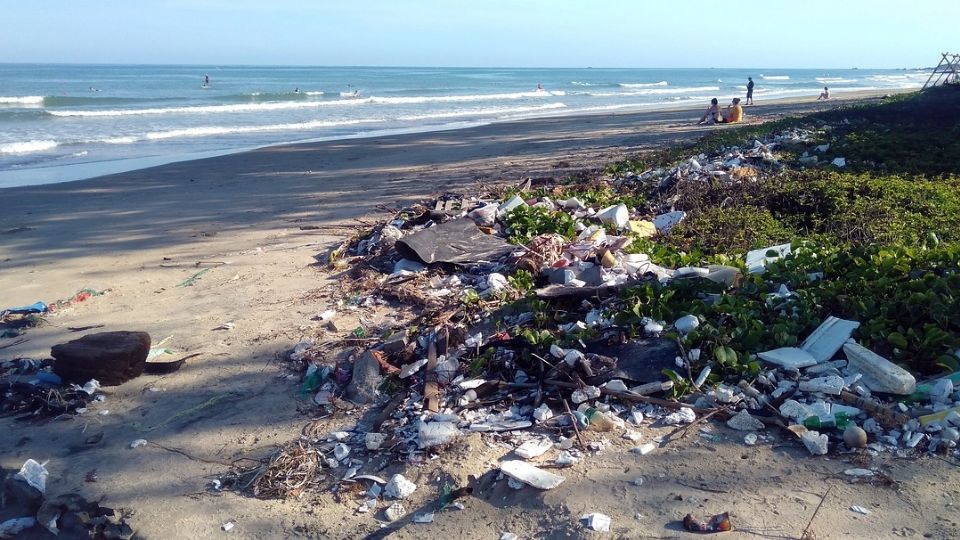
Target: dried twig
{"points": [[803, 535], [573, 420]]}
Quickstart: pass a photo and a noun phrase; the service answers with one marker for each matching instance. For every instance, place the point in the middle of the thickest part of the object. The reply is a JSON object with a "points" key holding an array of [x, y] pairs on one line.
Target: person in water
{"points": [[749, 91], [734, 112], [712, 114], [539, 87], [825, 94], [206, 80]]}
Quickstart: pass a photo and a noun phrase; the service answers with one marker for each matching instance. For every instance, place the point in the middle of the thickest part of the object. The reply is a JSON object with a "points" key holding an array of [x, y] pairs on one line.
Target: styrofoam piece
{"points": [[534, 448], [788, 357], [665, 222], [816, 442], [743, 421], [616, 215], [399, 487], [437, 433], [828, 338], [510, 204], [596, 521], [879, 374], [758, 259], [686, 324], [530, 475], [832, 385]]}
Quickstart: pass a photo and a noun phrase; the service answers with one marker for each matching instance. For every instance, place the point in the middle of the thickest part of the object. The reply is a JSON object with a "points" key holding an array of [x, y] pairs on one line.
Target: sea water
{"points": [[66, 122]]}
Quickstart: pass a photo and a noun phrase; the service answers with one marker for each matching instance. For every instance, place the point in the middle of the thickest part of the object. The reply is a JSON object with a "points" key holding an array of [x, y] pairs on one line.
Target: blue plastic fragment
{"points": [[36, 307]]}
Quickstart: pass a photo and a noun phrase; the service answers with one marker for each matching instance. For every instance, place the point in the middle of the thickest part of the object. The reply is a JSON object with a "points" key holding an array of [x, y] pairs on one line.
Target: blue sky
{"points": [[515, 33]]}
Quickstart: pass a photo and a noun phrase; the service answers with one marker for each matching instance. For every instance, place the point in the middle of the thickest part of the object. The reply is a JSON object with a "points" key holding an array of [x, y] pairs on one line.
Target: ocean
{"points": [[67, 122]]}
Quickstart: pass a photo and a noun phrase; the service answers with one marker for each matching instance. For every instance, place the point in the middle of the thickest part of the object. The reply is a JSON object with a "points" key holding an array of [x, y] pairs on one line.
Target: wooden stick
{"points": [[573, 419], [803, 535]]}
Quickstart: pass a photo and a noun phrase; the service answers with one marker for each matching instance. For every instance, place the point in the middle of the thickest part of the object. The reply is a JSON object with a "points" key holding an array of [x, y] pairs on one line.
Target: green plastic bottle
{"points": [[839, 420]]}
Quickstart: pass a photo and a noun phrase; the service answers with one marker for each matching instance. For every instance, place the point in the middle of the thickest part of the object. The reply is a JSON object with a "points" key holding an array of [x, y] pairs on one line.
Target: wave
{"points": [[835, 80], [27, 147], [484, 112], [21, 100], [655, 91], [581, 83], [775, 77], [642, 85]]}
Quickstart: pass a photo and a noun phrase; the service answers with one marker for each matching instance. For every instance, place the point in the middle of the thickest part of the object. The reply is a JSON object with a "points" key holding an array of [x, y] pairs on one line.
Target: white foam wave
{"points": [[484, 112], [288, 105], [556, 92], [642, 85], [775, 77], [656, 91], [835, 80], [206, 131], [580, 83], [21, 100], [27, 147], [314, 93]]}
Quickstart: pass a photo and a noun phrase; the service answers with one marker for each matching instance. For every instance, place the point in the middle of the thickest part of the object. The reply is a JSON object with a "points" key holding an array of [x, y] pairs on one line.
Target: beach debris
{"points": [[744, 421], [112, 358], [508, 536], [424, 517], [686, 324], [758, 259], [879, 374], [534, 448], [34, 474], [365, 379], [395, 511], [228, 526], [717, 523], [788, 357], [398, 487], [458, 241], [855, 436], [596, 521], [683, 416], [858, 472], [860, 510], [530, 475], [828, 338], [437, 433], [137, 443], [13, 527]]}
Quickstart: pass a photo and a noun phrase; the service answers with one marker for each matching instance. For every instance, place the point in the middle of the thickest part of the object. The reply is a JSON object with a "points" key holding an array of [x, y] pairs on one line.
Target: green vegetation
{"points": [[877, 241]]}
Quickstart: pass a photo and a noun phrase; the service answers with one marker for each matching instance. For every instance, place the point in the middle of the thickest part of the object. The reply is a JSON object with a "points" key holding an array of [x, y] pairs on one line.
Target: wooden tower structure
{"points": [[946, 72]]}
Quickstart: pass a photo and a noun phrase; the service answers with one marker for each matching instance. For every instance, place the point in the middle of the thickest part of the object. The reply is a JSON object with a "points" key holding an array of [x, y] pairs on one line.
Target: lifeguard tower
{"points": [[947, 72]]}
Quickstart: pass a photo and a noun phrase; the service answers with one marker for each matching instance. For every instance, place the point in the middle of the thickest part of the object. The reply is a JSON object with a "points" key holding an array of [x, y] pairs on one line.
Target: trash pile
{"points": [[28, 512], [527, 345]]}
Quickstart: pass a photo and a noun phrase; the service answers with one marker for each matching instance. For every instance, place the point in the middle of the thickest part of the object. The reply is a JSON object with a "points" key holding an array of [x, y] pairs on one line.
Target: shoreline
{"points": [[77, 172]]}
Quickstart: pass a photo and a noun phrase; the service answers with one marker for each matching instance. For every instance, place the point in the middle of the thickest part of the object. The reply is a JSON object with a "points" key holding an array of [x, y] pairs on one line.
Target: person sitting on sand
{"points": [[825, 94], [734, 112], [712, 114]]}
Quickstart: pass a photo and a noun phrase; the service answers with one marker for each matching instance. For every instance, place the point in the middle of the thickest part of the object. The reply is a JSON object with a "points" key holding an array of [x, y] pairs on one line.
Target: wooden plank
{"points": [[431, 391]]}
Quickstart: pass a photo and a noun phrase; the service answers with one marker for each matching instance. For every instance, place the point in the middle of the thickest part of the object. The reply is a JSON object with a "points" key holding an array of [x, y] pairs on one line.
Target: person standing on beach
{"points": [[749, 91]]}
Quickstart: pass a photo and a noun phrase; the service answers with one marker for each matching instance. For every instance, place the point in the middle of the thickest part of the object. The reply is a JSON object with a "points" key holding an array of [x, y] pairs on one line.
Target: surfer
{"points": [[539, 87], [296, 90], [206, 80]]}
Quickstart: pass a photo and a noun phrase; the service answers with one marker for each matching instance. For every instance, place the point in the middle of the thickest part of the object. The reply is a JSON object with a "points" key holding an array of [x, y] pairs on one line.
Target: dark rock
{"points": [[639, 361], [19, 498], [365, 380], [396, 344], [110, 357]]}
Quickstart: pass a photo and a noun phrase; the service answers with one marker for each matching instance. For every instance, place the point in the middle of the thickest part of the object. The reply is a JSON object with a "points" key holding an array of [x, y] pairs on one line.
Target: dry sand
{"points": [[140, 234]]}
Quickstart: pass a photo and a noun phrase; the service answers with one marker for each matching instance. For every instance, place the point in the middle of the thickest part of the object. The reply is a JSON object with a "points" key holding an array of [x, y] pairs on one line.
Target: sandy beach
{"points": [[256, 220]]}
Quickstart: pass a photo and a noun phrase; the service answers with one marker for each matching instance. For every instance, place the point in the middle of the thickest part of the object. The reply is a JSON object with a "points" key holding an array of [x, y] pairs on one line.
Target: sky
{"points": [[484, 33]]}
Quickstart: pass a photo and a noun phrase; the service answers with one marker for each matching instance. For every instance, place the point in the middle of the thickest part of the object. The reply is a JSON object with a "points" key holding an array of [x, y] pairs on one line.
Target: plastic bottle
{"points": [[598, 421], [923, 389], [839, 421]]}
